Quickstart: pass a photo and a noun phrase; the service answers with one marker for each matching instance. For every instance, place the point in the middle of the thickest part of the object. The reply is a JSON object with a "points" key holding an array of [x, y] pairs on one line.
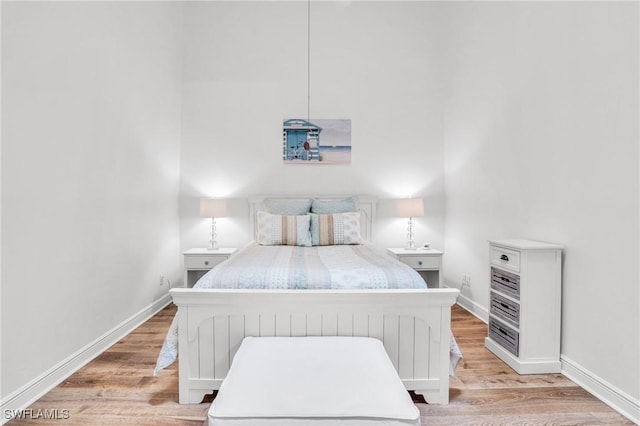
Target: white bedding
{"points": [[362, 266], [312, 380]]}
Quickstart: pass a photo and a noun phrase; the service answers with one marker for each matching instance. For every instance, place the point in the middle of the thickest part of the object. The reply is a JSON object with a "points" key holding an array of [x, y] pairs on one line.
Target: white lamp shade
{"points": [[213, 207], [410, 207]]}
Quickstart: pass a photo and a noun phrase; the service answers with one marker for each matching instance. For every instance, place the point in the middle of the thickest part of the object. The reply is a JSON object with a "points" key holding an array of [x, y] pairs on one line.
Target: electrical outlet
{"points": [[161, 280], [466, 280]]}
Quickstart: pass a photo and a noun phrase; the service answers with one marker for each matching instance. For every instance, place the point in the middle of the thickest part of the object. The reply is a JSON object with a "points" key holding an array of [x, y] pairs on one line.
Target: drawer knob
{"points": [[420, 262], [504, 257], [206, 263]]}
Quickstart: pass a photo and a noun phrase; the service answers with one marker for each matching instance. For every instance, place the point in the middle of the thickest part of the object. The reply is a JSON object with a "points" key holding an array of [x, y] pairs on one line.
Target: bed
{"points": [[412, 321]]}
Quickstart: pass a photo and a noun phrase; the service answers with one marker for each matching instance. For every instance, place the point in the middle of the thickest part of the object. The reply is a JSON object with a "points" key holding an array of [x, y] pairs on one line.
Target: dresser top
{"points": [[523, 244]]}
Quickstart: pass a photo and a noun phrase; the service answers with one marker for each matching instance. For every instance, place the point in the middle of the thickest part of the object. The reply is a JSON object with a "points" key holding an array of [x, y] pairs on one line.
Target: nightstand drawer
{"points": [[203, 261], [505, 258], [422, 262]]}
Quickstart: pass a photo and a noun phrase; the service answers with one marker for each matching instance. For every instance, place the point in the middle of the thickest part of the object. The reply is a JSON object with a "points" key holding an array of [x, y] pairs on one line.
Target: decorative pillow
{"points": [[335, 229], [287, 207], [276, 230], [334, 206]]}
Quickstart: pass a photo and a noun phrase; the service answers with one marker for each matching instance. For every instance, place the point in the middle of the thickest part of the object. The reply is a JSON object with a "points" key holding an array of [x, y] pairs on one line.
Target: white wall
{"points": [[541, 142], [90, 173], [245, 70]]}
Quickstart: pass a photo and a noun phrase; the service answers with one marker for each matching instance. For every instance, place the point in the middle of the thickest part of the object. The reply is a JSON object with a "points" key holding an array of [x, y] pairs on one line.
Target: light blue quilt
{"points": [[361, 266]]}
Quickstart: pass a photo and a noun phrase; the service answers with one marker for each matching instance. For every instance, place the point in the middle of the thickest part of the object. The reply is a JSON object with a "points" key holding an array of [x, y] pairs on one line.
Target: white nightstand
{"points": [[197, 261], [426, 261]]}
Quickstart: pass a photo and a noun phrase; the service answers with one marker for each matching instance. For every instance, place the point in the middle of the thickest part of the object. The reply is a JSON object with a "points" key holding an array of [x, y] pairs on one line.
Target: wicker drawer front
{"points": [[505, 282], [504, 336], [505, 309]]}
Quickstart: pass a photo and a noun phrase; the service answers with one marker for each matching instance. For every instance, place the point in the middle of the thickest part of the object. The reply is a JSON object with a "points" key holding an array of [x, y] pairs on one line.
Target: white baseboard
{"points": [[473, 308], [36, 388], [615, 398]]}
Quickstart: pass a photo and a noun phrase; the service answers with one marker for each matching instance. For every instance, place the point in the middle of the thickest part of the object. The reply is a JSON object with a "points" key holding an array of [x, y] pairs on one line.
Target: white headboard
{"points": [[367, 205]]}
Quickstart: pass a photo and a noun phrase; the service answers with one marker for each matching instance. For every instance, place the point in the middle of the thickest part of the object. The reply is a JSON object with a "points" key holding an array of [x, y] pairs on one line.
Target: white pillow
{"points": [[275, 230]]}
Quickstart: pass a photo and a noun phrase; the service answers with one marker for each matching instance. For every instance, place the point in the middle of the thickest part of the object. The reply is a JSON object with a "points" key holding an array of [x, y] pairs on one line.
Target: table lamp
{"points": [[213, 208], [410, 207]]}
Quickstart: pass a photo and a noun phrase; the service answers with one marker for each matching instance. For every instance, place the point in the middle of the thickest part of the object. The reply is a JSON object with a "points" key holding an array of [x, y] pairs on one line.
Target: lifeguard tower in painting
{"points": [[295, 132]]}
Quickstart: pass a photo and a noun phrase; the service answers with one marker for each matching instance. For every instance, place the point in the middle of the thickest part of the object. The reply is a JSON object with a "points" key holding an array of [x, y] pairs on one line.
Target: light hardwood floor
{"points": [[117, 388]]}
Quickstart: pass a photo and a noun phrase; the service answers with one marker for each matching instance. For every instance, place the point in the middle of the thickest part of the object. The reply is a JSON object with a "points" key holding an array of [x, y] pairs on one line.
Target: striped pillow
{"points": [[335, 229], [275, 230]]}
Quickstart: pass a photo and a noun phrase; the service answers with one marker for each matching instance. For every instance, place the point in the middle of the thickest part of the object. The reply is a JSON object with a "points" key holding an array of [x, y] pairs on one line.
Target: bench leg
{"points": [[434, 396]]}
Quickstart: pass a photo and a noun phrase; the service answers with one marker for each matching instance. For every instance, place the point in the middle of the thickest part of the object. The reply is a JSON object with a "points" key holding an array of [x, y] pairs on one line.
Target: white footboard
{"points": [[414, 326]]}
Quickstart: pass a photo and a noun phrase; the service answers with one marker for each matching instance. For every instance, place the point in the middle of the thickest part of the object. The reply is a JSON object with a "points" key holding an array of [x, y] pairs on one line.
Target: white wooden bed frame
{"points": [[414, 325]]}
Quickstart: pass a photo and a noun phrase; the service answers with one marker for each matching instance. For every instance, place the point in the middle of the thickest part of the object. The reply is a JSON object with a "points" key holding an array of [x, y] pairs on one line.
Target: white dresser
{"points": [[525, 304]]}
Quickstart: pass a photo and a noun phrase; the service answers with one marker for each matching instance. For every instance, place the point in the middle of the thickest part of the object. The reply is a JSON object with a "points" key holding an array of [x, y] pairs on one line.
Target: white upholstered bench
{"points": [[312, 381]]}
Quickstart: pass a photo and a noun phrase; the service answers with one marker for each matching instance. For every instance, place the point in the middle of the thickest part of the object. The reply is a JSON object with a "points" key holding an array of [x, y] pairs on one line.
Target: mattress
{"points": [[361, 266], [312, 381]]}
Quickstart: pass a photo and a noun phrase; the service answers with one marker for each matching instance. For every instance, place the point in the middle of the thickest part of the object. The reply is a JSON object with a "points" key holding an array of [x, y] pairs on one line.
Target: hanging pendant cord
{"points": [[308, 60]]}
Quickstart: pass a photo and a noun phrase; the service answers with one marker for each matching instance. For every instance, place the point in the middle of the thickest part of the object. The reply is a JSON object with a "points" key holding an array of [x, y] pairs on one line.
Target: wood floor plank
{"points": [[118, 388]]}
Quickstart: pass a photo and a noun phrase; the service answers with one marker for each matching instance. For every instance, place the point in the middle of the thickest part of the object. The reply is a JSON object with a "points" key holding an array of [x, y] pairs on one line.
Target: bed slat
{"points": [[314, 325], [329, 325], [390, 341], [283, 325], [221, 344], [298, 325], [361, 325], [376, 327], [345, 325], [236, 333], [205, 348], [421, 347], [406, 347], [252, 325], [267, 325]]}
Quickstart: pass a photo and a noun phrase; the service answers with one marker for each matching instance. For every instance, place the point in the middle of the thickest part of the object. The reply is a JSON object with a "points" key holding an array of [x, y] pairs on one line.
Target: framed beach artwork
{"points": [[316, 141]]}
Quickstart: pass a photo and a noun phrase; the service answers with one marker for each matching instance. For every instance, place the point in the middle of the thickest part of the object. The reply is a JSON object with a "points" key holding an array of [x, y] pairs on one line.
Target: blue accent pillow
{"points": [[334, 206], [287, 207]]}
